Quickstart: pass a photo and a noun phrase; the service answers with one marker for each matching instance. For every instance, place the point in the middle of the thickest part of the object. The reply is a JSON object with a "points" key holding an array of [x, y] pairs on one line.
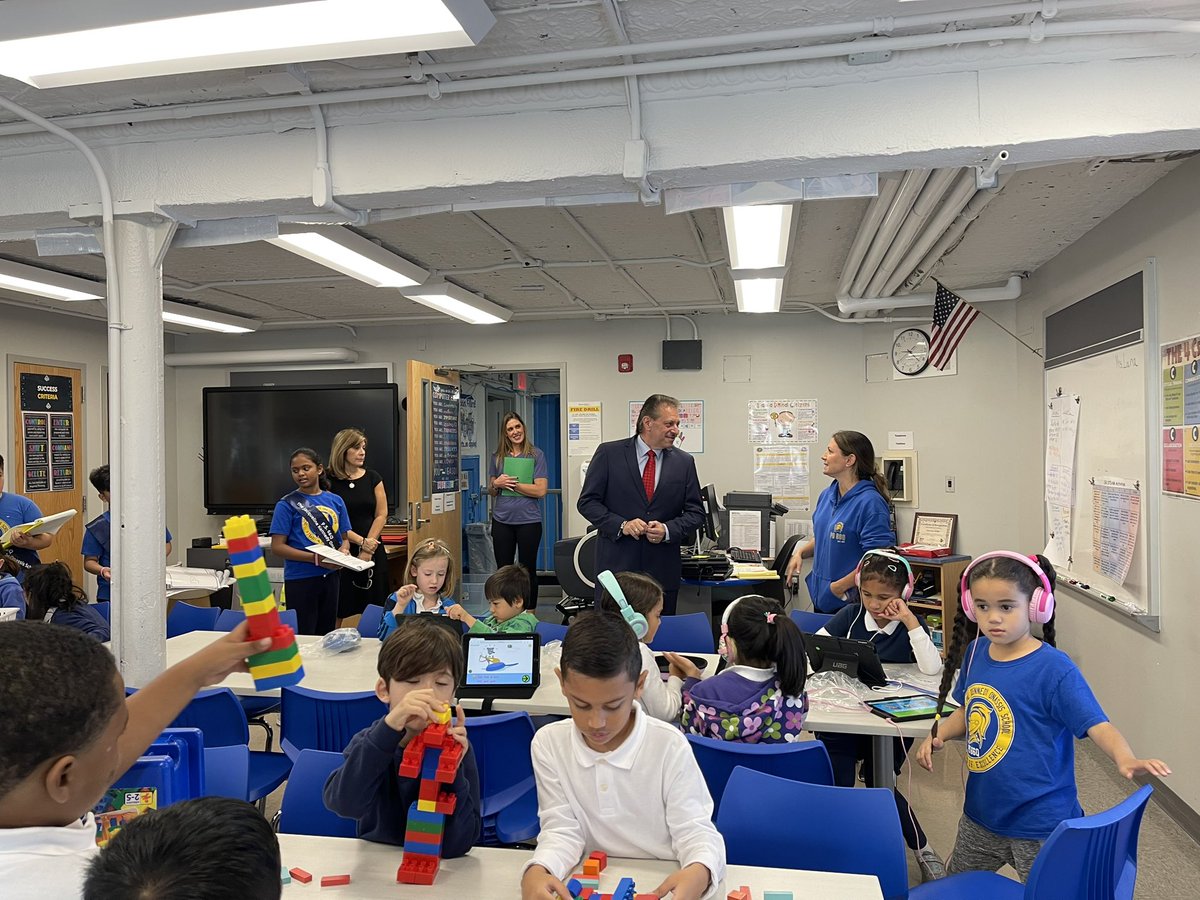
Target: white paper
{"points": [[451, 503], [1058, 546], [782, 421], [1062, 426], [691, 424], [345, 560], [745, 529], [439, 504], [189, 578], [45, 525], [1116, 513], [782, 472], [901, 440], [583, 428]]}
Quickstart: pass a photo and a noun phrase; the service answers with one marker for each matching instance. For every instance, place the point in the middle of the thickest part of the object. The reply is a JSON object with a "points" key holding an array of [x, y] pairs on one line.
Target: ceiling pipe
{"points": [[949, 240], [902, 203], [850, 305], [927, 202], [262, 357], [880, 203], [955, 201]]}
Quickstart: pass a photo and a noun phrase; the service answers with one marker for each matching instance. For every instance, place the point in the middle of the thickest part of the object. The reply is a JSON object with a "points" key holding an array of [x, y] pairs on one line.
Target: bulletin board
{"points": [[1103, 349]]}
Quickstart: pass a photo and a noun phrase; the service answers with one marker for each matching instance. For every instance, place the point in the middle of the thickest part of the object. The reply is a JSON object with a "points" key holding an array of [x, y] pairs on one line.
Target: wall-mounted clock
{"points": [[910, 352]]}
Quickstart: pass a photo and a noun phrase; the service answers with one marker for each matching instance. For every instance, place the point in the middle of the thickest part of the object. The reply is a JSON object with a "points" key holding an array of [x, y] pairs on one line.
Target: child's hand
{"points": [[415, 711], [926, 751], [681, 666], [689, 883], [898, 609], [539, 884], [219, 659], [406, 593], [458, 730], [1131, 767], [455, 612]]}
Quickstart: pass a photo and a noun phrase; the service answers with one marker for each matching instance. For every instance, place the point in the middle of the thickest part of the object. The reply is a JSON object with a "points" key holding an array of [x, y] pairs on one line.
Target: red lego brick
{"points": [[587, 893], [742, 893], [601, 857], [300, 875], [265, 625], [448, 763], [334, 880], [645, 897], [446, 802], [417, 868], [283, 638], [428, 790]]}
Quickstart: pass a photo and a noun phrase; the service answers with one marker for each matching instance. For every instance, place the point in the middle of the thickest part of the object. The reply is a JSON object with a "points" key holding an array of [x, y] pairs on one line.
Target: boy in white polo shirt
{"points": [[599, 775]]}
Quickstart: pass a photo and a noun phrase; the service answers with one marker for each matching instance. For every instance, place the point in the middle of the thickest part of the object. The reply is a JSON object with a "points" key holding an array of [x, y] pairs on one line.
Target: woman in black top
{"points": [[366, 501]]}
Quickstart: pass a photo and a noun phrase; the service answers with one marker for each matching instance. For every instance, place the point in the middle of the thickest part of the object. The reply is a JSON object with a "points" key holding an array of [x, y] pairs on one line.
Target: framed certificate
{"points": [[935, 529]]}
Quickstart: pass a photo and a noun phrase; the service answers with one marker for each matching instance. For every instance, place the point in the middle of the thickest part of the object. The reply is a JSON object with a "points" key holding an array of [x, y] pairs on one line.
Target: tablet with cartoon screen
{"points": [[500, 665], [909, 709]]}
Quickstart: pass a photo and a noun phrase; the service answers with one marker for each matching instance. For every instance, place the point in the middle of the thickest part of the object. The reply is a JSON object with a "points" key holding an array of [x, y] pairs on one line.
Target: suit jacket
{"points": [[613, 493]]}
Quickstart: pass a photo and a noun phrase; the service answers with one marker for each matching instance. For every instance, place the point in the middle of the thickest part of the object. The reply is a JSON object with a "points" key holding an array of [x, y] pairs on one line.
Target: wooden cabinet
{"points": [[947, 570]]}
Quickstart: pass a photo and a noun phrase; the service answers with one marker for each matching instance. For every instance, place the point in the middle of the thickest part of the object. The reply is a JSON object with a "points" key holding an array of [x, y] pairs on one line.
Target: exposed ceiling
{"points": [[544, 262]]}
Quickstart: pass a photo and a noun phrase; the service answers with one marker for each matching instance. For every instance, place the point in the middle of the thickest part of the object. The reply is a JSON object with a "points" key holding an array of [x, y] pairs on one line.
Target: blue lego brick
{"points": [[624, 890], [279, 681], [429, 818], [429, 848], [574, 887], [777, 895], [429, 765]]}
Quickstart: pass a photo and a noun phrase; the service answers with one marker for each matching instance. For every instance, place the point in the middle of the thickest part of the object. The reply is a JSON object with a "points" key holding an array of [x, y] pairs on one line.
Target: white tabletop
{"points": [[491, 872]]}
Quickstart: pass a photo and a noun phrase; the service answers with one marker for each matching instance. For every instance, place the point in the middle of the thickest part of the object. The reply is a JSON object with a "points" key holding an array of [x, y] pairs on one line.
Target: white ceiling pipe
{"points": [[263, 357], [1010, 291], [1036, 31], [952, 235], [956, 200], [910, 188], [927, 203], [880, 203]]}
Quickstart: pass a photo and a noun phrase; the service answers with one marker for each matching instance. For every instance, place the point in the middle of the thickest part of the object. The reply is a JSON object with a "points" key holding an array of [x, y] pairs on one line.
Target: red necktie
{"points": [[648, 476]]}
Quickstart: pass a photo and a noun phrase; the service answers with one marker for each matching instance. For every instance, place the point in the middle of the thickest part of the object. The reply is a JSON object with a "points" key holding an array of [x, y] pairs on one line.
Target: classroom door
{"points": [[47, 465], [432, 473]]}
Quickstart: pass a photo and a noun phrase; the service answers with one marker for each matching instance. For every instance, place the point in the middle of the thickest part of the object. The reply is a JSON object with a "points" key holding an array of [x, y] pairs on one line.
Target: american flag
{"points": [[952, 316]]}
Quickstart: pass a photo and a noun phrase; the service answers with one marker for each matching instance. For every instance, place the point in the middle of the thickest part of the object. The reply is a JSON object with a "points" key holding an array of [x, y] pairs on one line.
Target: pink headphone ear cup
{"points": [[1041, 607], [968, 605]]}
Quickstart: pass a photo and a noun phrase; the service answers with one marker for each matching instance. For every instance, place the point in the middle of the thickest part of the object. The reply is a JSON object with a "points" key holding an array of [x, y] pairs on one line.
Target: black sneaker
{"points": [[931, 865]]}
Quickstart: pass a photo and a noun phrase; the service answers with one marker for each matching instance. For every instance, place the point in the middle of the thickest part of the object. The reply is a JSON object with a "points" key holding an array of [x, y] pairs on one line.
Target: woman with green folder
{"points": [[517, 479]]}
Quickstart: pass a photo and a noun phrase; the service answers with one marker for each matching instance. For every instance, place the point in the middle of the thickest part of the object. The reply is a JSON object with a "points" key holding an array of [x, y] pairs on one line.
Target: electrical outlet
{"points": [[949, 484]]}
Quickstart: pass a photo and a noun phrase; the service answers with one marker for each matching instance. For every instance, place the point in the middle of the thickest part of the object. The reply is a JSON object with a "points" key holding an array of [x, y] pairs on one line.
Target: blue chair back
{"points": [[684, 634], [230, 619], [550, 632], [820, 832], [104, 607], [368, 623], [184, 618], [319, 720], [227, 772], [288, 618], [217, 713], [800, 761], [303, 809], [809, 622], [502, 744], [1092, 857]]}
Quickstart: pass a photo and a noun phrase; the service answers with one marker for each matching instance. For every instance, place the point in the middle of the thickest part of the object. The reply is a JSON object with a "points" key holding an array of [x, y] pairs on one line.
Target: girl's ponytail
{"points": [[764, 632], [954, 653], [787, 652]]}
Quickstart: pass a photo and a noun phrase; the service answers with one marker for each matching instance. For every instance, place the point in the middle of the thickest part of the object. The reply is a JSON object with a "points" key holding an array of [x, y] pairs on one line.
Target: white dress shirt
{"points": [[929, 660], [661, 699]]}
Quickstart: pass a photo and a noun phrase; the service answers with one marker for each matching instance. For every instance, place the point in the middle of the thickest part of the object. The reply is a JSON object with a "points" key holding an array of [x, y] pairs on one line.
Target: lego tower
{"points": [[432, 756], [279, 665]]}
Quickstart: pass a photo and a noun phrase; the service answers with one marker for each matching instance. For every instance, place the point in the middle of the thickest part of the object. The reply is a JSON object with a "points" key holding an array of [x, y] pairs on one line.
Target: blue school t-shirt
{"points": [[1022, 717], [18, 510], [12, 595], [97, 542], [844, 528], [299, 532]]}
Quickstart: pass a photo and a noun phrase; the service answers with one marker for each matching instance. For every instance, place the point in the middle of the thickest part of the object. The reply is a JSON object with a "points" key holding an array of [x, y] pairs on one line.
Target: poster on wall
{"points": [[782, 471], [444, 435], [467, 438], [782, 421], [1180, 408], [35, 434], [583, 428], [48, 432], [691, 424], [1116, 513]]}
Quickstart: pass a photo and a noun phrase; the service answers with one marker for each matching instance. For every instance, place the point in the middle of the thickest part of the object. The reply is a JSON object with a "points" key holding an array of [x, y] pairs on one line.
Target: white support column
{"points": [[138, 450]]}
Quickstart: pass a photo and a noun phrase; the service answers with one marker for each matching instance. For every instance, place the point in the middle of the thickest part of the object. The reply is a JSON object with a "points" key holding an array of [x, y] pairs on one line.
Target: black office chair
{"points": [[575, 569]]}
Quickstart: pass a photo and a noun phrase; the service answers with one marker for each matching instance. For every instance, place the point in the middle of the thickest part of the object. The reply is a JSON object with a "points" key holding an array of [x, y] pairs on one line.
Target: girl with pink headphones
{"points": [[760, 697], [883, 619], [1022, 705]]}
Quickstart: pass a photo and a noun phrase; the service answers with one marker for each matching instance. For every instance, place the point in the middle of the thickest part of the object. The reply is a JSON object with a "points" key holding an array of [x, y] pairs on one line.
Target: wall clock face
{"points": [[910, 352]]}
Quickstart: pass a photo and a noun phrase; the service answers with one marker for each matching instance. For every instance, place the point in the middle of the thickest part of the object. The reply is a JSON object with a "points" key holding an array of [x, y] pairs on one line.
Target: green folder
{"points": [[520, 468]]}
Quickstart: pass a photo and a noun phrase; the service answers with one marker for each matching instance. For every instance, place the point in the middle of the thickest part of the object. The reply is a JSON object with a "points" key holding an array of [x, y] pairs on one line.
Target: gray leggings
{"points": [[978, 850]]}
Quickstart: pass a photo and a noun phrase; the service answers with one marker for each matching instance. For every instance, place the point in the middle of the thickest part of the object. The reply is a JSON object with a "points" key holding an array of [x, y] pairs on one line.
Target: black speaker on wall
{"points": [[683, 355]]}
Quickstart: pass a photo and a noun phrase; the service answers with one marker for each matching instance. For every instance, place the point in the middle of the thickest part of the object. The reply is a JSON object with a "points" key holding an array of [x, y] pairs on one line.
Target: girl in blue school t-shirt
{"points": [[310, 515], [1022, 705]]}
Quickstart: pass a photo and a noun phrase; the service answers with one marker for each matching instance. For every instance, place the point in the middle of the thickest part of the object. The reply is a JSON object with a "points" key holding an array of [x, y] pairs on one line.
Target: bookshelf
{"points": [[947, 571]]}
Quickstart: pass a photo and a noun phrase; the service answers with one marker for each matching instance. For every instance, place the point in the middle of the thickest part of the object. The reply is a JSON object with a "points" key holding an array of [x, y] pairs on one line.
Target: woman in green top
{"points": [[505, 591]]}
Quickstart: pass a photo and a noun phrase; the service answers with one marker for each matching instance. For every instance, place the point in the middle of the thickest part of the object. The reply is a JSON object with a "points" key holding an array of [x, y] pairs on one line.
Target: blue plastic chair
{"points": [[256, 707], [800, 761], [550, 632], [230, 619], [289, 618], [684, 634], [369, 621], [104, 607], [508, 793], [320, 720], [809, 622], [1088, 858], [218, 714], [819, 835], [227, 772], [184, 618], [303, 809]]}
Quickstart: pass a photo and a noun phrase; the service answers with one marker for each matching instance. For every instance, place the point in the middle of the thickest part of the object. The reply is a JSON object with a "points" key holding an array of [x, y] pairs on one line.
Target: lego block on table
{"points": [[284, 877], [777, 895], [574, 887], [300, 875], [645, 897], [334, 880], [623, 890], [588, 894], [591, 867], [417, 869], [601, 857], [742, 893]]}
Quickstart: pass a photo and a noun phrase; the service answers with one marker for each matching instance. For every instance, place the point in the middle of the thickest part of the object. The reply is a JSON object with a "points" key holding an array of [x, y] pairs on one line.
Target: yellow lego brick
{"points": [[239, 526], [286, 667], [258, 607], [443, 717], [427, 805], [249, 570]]}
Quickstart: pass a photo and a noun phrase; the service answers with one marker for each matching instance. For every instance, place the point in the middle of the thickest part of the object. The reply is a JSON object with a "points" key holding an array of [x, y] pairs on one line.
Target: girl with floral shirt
{"points": [[760, 697]]}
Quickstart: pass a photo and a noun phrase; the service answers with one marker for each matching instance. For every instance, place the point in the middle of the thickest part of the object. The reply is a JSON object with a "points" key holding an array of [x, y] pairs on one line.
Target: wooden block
{"points": [[300, 875], [591, 867], [601, 857], [777, 895], [334, 880]]}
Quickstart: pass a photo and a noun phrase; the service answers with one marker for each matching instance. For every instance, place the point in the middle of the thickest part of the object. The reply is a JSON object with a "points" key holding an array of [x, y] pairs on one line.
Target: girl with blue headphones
{"points": [[638, 599]]}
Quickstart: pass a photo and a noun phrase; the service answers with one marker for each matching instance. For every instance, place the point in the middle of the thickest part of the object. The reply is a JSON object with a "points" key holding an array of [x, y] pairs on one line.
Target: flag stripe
{"points": [[952, 335], [952, 316]]}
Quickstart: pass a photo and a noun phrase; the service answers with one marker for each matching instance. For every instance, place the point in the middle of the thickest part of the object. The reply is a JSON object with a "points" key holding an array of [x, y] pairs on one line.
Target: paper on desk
{"points": [[345, 560], [190, 580]]}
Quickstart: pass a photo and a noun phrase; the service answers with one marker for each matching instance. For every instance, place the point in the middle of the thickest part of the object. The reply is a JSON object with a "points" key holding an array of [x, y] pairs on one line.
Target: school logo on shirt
{"points": [[330, 515], [990, 727], [836, 534]]}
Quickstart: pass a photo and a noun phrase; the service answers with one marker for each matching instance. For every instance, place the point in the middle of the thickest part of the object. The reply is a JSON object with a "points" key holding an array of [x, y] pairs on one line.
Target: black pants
{"points": [[511, 541], [315, 601], [670, 598], [845, 750]]}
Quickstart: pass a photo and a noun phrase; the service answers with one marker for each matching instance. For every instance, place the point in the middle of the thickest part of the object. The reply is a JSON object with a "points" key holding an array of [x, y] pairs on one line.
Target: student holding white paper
{"points": [[518, 479], [17, 510]]}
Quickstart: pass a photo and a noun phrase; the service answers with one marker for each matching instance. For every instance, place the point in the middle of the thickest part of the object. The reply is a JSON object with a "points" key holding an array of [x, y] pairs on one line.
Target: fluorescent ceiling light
{"points": [[25, 279], [207, 319], [758, 236], [458, 302], [758, 295], [351, 254], [111, 41]]}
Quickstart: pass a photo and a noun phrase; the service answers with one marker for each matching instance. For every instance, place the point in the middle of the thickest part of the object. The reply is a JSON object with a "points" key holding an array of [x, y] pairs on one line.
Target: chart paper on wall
{"points": [[1181, 418]]}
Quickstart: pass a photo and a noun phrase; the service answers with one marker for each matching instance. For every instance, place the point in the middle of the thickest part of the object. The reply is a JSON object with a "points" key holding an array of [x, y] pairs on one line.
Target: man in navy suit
{"points": [[643, 496]]}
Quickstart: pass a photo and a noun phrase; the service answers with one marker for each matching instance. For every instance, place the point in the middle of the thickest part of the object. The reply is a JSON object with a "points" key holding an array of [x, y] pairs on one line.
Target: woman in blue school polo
{"points": [[852, 516]]}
